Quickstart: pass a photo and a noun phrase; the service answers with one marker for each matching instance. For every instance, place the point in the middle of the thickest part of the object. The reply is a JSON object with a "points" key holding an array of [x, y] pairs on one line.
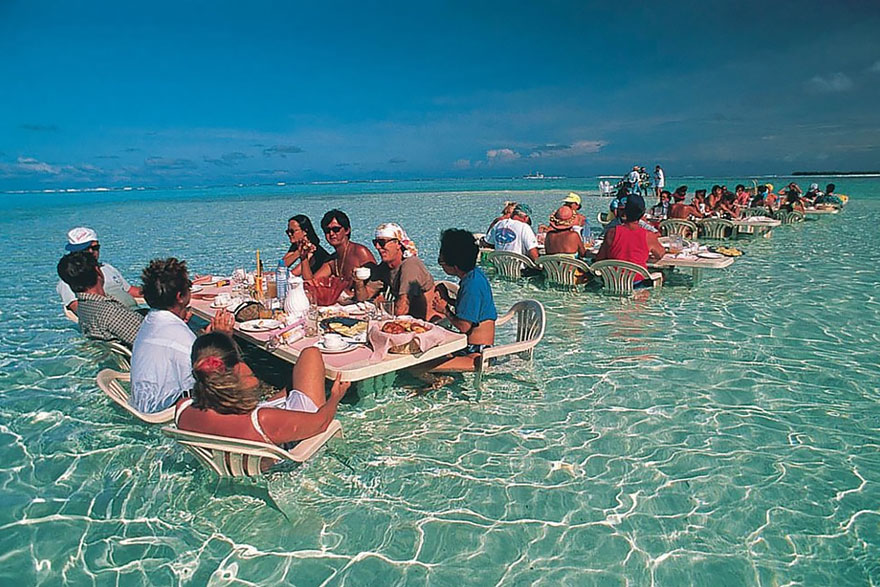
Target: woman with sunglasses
{"points": [[401, 277], [304, 246]]}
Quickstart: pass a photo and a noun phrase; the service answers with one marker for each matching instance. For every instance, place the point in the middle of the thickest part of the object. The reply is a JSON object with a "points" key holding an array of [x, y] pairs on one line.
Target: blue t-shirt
{"points": [[475, 302]]}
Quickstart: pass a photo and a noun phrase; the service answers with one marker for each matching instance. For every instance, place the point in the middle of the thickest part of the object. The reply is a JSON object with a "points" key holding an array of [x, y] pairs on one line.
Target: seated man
{"points": [[86, 239], [515, 234], [401, 277], [661, 209], [829, 197], [100, 316], [160, 365], [681, 210], [347, 256], [473, 311], [630, 241]]}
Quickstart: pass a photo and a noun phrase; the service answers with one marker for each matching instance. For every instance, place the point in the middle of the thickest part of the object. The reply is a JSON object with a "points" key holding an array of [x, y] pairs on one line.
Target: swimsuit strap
{"points": [[186, 403], [255, 421]]}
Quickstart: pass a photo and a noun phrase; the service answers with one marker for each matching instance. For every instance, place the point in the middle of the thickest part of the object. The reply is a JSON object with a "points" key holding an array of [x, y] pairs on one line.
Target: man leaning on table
{"points": [[161, 366], [83, 238]]}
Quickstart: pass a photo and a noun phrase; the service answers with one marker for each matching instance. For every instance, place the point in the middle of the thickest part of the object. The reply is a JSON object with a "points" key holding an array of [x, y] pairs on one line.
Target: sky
{"points": [[209, 93]]}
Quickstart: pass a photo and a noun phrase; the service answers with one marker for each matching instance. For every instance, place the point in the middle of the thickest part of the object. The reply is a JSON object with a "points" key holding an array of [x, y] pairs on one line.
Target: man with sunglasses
{"points": [[401, 276], [347, 256], [82, 238]]}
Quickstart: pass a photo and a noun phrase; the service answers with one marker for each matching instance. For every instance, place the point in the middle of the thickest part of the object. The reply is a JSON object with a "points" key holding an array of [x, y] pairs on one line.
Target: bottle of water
{"points": [[281, 280]]}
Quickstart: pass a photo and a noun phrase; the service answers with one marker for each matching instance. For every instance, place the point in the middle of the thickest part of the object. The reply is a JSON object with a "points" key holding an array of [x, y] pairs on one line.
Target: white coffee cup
{"points": [[333, 341], [362, 273]]}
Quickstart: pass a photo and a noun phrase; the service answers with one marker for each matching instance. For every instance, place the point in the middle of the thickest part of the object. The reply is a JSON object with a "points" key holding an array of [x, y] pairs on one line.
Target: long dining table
{"points": [[357, 364]]}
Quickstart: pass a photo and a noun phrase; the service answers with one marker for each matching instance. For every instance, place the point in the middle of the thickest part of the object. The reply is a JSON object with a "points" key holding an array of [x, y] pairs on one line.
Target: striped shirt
{"points": [[106, 318]]}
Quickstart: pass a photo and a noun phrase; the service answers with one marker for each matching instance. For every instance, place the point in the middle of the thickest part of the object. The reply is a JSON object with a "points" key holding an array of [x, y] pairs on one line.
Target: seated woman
{"points": [[227, 397], [304, 246], [630, 241], [792, 202], [727, 208], [401, 277], [561, 237]]}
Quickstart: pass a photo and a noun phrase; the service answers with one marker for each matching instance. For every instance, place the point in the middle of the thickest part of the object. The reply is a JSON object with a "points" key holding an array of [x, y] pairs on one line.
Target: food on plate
{"points": [[729, 251], [402, 326], [345, 327]]}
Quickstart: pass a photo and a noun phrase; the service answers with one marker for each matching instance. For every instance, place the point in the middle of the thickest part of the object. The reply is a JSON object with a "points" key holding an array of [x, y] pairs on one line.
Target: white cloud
{"points": [[31, 165], [462, 164], [836, 82], [502, 155]]}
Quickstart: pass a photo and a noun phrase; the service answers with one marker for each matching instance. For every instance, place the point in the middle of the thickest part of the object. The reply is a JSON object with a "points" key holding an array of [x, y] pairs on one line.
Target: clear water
{"points": [[726, 434]]}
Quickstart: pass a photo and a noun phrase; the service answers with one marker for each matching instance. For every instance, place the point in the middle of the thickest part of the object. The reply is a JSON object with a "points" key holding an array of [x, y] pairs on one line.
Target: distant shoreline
{"points": [[838, 173]]}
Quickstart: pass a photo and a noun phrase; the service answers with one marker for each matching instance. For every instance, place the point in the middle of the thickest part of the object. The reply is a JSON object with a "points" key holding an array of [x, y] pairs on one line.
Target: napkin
{"points": [[382, 341]]}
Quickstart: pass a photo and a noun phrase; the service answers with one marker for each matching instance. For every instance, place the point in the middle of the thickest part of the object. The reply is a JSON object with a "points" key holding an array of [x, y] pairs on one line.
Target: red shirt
{"points": [[630, 244]]}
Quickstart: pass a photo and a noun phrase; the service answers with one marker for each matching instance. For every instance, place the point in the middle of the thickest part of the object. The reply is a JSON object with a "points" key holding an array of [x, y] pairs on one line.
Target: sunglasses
{"points": [[93, 248], [383, 242], [333, 229], [294, 231]]}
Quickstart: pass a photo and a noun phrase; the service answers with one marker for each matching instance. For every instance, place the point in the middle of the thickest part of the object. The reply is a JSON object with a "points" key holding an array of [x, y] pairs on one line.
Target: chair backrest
{"points": [[121, 353], [715, 228], [674, 226], [563, 269], [110, 382], [509, 264], [531, 321], [749, 212], [604, 218], [790, 217], [70, 315], [618, 277], [234, 457]]}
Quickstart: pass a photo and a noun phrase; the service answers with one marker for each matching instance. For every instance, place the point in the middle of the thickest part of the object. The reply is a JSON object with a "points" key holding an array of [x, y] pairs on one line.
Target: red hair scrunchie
{"points": [[210, 364]]}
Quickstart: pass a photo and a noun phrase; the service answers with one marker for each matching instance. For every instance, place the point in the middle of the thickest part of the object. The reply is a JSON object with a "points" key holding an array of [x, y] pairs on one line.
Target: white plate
{"points": [[710, 255], [196, 289], [261, 325], [217, 305], [348, 346]]}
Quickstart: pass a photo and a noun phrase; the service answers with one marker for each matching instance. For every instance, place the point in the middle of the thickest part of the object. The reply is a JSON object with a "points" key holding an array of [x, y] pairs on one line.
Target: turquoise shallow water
{"points": [[725, 434]]}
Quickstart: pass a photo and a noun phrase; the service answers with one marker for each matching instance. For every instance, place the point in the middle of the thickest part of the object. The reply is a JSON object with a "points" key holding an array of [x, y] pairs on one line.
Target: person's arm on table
{"points": [[656, 250], [286, 426]]}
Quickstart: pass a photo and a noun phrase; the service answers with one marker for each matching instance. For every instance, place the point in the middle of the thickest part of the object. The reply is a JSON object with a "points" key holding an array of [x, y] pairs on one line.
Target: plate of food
{"points": [[344, 326], [403, 326], [709, 255], [261, 325]]}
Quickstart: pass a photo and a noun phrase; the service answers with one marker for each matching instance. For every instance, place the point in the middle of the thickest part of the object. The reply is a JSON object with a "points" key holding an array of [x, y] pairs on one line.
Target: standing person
{"points": [[304, 246], [160, 364], [644, 181], [472, 311], [633, 178], [347, 256], [100, 316], [629, 241], [401, 275], [515, 234], [659, 180], [83, 238]]}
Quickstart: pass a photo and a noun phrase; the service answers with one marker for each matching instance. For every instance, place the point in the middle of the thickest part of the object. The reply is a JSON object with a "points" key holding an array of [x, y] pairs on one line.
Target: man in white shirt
{"points": [[82, 238], [633, 178], [515, 234], [659, 181], [161, 367]]}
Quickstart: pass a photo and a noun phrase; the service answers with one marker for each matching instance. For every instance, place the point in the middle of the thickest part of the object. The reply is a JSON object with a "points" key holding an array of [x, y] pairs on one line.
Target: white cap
{"points": [[79, 238]]}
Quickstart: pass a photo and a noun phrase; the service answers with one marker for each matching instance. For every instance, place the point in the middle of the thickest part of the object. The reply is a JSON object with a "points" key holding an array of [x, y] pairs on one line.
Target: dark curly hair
{"points": [[78, 270], [163, 280], [337, 215]]}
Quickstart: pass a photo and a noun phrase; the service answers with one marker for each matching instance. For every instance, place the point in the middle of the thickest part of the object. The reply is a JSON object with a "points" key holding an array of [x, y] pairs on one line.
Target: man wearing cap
{"points": [[681, 210], [82, 238], [630, 241], [401, 275], [100, 316], [515, 234]]}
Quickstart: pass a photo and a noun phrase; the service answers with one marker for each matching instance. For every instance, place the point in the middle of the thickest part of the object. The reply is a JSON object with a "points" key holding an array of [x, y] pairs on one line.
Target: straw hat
{"points": [[562, 219]]}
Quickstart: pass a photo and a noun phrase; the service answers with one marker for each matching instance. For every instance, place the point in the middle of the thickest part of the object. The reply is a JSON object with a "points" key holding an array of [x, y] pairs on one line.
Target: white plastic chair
{"points": [[618, 277], [233, 457], [563, 269], [674, 226], [110, 382], [530, 324], [509, 264]]}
